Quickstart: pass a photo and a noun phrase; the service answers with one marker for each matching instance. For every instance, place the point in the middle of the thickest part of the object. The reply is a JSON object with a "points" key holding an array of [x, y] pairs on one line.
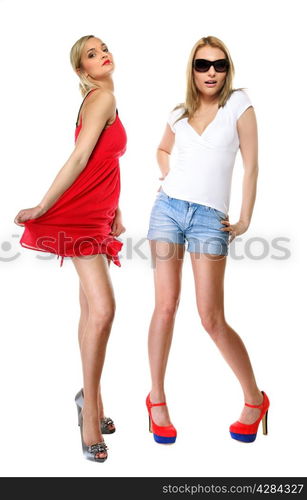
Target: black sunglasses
{"points": [[202, 65]]}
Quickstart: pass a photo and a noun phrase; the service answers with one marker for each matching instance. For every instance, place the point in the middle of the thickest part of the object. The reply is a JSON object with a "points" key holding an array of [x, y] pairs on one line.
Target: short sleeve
{"points": [[242, 102], [172, 117]]}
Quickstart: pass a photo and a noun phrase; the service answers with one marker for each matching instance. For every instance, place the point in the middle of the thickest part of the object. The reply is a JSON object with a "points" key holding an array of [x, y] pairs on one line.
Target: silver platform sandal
{"points": [[104, 423], [90, 452]]}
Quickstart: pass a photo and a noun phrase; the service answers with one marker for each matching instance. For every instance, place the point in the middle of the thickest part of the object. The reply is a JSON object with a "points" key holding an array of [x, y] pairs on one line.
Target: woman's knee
{"points": [[213, 322], [102, 315], [167, 308]]}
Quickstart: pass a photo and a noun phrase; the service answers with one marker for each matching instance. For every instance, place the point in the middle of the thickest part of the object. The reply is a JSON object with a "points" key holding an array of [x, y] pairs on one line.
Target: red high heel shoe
{"points": [[248, 432], [162, 434]]}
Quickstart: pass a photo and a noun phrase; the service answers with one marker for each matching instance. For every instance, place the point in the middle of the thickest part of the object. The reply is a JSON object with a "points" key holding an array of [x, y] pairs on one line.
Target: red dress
{"points": [[79, 222]]}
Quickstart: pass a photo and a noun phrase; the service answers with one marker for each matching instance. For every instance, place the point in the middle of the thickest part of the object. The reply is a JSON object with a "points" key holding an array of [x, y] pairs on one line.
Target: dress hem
{"points": [[113, 257]]}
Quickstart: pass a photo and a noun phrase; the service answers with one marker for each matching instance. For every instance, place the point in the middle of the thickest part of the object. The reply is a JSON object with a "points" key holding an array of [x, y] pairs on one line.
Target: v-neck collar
{"points": [[210, 123]]}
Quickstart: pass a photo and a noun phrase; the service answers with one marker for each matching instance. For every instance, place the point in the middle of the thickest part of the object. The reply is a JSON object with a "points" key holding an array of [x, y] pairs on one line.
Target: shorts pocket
{"points": [[161, 196], [220, 215]]}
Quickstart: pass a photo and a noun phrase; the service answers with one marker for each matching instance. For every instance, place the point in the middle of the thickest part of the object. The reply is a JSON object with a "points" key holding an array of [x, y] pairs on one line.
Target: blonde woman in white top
{"points": [[192, 205]]}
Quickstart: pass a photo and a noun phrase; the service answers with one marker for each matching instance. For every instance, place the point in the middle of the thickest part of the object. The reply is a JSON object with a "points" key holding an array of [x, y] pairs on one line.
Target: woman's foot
{"points": [[250, 415], [111, 427], [159, 414], [91, 431]]}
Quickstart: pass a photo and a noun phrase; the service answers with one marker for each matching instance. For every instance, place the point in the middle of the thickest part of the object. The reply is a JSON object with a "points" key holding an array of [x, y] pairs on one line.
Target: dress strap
{"points": [[82, 105]]}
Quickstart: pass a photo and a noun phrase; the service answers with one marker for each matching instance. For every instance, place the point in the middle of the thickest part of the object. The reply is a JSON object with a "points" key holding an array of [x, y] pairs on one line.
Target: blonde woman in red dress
{"points": [[79, 217]]}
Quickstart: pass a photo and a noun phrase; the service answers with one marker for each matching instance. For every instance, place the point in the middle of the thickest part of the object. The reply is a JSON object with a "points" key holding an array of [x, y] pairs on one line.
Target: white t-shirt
{"points": [[202, 172]]}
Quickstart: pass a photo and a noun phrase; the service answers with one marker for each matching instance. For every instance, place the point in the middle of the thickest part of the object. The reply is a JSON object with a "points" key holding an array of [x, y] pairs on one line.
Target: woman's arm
{"points": [[164, 151], [99, 109], [248, 136]]}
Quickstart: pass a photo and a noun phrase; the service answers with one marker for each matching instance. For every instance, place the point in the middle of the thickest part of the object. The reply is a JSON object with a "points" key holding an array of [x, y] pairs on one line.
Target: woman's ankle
{"points": [[254, 398], [90, 412], [157, 395]]}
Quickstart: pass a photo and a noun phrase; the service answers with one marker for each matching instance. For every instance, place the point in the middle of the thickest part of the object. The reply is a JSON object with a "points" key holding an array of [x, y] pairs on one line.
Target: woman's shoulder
{"points": [[102, 96], [174, 114], [239, 100], [100, 101], [239, 95]]}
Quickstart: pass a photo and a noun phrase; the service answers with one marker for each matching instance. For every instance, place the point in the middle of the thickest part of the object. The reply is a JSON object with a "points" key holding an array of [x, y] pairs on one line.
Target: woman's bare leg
{"points": [[84, 312], [167, 259], [209, 273], [96, 283]]}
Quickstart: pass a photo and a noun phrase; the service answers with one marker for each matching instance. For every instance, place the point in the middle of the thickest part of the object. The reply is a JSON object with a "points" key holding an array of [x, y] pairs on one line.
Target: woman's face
{"points": [[200, 79], [96, 60]]}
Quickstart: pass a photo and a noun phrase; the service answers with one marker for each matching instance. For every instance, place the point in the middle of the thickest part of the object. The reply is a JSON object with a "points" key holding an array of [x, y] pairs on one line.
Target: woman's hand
{"points": [[234, 229], [117, 225], [28, 213], [164, 175]]}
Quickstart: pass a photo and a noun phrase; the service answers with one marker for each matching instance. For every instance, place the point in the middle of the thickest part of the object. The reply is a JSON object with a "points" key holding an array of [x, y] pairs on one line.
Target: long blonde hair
{"points": [[75, 58], [192, 97]]}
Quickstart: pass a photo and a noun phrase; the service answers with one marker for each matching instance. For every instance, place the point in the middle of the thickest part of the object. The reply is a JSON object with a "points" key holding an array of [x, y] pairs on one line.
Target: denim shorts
{"points": [[173, 220]]}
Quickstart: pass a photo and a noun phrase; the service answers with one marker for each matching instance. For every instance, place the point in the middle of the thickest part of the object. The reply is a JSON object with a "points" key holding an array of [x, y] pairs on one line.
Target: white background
{"points": [[264, 297]]}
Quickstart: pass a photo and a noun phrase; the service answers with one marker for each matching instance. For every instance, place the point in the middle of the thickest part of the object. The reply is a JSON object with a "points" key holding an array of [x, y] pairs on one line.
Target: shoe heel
{"points": [[265, 423], [150, 430], [79, 404], [79, 399], [78, 411]]}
